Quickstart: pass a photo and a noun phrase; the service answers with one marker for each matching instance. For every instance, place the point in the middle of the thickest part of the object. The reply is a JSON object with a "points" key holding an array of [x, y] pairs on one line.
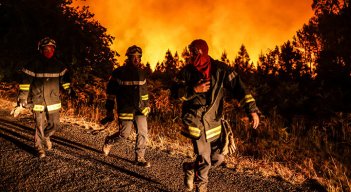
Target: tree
{"points": [[334, 54], [291, 67], [170, 64], [82, 43], [322, 7], [147, 69], [325, 47], [242, 62], [307, 41], [186, 55], [224, 58]]}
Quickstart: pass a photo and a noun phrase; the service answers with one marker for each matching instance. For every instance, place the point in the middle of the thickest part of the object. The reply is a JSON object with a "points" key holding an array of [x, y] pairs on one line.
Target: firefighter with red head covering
{"points": [[127, 86], [42, 79], [201, 85]]}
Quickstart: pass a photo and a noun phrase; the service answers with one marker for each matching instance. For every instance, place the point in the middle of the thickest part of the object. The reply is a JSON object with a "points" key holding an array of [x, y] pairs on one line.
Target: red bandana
{"points": [[202, 61], [48, 53]]}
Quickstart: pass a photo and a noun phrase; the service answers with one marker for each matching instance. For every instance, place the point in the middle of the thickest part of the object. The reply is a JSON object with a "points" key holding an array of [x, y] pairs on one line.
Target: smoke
{"points": [[159, 25]]}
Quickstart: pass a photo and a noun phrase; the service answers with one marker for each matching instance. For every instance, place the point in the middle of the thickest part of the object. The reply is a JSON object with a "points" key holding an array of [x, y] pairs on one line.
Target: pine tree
{"points": [[242, 62], [224, 58]]}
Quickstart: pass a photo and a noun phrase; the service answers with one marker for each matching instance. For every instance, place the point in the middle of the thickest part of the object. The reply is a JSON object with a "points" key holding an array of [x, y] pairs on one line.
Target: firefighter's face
{"points": [[135, 59], [194, 52], [48, 51]]}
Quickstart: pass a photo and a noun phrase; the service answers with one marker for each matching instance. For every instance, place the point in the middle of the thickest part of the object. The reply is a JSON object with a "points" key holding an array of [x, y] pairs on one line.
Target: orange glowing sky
{"points": [[159, 25]]}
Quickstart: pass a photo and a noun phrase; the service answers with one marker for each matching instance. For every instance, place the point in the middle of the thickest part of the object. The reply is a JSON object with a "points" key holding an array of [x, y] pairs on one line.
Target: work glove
{"points": [[109, 118], [21, 104]]}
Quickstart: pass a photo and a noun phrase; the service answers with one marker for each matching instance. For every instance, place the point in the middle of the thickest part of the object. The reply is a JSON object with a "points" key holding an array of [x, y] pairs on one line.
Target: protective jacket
{"points": [[41, 82], [128, 86], [202, 112]]}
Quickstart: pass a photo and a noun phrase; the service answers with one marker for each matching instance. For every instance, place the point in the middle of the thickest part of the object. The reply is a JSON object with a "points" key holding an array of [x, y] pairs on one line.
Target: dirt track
{"points": [[76, 164]]}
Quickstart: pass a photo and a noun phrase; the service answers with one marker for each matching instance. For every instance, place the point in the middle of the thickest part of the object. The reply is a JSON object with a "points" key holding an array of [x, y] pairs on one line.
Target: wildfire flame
{"points": [[159, 25]]}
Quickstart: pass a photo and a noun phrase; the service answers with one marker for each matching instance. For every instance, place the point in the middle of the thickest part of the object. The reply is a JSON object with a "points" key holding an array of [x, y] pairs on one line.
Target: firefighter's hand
{"points": [[202, 86], [255, 120]]}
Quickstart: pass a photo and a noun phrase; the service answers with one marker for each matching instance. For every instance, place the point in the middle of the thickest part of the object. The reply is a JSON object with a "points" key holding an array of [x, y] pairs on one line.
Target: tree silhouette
{"points": [[167, 70], [306, 40], [186, 55], [268, 65], [242, 62], [147, 69], [290, 62], [224, 58], [335, 57], [82, 43]]}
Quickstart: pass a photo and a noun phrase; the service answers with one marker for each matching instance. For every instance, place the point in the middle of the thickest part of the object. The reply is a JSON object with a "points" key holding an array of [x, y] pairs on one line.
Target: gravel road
{"points": [[77, 164]]}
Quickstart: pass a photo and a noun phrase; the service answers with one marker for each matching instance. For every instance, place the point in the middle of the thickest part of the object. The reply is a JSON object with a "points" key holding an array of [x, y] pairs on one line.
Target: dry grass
{"points": [[6, 104]]}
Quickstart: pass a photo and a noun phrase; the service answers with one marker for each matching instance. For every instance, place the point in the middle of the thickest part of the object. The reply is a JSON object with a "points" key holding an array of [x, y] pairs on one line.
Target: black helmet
{"points": [[45, 42], [134, 50]]}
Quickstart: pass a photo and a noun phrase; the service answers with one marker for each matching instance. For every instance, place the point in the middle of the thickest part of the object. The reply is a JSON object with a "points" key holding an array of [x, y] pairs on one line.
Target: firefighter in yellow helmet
{"points": [[40, 90], [201, 85], [127, 86]]}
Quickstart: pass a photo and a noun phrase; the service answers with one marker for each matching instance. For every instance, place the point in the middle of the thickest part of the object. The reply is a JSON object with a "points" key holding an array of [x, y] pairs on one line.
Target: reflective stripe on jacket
{"points": [[41, 83], [128, 86]]}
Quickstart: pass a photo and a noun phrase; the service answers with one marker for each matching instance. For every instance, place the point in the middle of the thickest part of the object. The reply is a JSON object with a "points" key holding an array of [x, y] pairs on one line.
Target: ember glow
{"points": [[159, 25]]}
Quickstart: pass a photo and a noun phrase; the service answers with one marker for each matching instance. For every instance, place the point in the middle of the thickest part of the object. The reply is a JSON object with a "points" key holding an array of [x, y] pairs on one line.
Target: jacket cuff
{"points": [[252, 108]]}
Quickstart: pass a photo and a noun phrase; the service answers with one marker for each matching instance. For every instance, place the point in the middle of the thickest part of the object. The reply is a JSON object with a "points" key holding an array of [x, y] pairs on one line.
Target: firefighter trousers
{"points": [[208, 154], [125, 128], [45, 126]]}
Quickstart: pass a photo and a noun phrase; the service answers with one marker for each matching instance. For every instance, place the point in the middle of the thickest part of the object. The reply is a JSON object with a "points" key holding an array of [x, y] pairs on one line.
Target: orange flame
{"points": [[159, 25]]}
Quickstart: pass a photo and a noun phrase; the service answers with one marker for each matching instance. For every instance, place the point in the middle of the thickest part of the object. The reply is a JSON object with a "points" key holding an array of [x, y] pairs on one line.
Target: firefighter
{"points": [[201, 85], [127, 86], [40, 91]]}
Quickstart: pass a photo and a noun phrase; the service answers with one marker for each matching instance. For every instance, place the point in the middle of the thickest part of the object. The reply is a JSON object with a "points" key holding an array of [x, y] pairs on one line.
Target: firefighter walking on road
{"points": [[40, 90], [127, 86], [201, 85]]}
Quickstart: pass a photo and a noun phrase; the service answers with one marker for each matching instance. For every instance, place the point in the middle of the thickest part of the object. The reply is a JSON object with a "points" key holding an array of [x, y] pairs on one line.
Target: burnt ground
{"points": [[77, 164]]}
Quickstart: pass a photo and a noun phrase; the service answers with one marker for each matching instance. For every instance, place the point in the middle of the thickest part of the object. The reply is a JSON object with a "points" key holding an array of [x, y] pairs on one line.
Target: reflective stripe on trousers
{"points": [[214, 132], [41, 108], [126, 116], [194, 132]]}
